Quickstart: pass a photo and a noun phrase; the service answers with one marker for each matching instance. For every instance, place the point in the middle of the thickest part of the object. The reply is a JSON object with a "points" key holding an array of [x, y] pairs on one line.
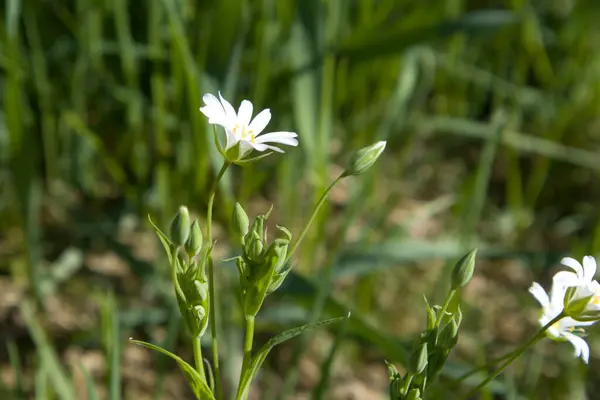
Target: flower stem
{"points": [[516, 354], [211, 282], [249, 339], [445, 307], [318, 206], [198, 358]]}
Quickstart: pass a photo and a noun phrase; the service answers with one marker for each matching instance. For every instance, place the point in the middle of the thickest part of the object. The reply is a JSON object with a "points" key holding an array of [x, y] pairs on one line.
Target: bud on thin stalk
{"points": [[180, 226], [364, 159], [194, 242], [463, 270], [240, 221]]}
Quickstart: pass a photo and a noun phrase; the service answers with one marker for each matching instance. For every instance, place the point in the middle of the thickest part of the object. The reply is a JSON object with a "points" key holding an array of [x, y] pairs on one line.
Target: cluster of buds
{"points": [[189, 258], [433, 347], [261, 265]]}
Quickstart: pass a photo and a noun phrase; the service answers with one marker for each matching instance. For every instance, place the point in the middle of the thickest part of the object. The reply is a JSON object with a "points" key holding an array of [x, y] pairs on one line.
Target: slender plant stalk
{"points": [[324, 278], [211, 283], [249, 340], [318, 206], [515, 354], [445, 307], [198, 358]]}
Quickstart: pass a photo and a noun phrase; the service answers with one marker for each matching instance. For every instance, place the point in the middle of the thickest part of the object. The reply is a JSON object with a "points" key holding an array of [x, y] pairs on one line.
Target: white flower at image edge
{"points": [[241, 128], [582, 279], [552, 306]]}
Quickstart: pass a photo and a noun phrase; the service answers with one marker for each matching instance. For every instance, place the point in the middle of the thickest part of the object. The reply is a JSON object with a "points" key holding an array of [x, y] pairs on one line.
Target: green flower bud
{"points": [[431, 315], [180, 226], [201, 290], [449, 335], [463, 270], [254, 247], [240, 221], [364, 159], [413, 394], [437, 359], [194, 242], [278, 280], [396, 382], [200, 312], [418, 360]]}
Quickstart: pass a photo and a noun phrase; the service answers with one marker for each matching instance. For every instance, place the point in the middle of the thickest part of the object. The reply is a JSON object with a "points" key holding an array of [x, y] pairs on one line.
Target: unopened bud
{"points": [[194, 242], [240, 221], [413, 394], [180, 226], [254, 246], [463, 270], [364, 159], [449, 335], [431, 315], [418, 360]]}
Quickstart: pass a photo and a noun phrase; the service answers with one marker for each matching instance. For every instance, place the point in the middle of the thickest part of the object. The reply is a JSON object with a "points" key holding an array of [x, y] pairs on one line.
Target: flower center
{"points": [[243, 132], [595, 300]]}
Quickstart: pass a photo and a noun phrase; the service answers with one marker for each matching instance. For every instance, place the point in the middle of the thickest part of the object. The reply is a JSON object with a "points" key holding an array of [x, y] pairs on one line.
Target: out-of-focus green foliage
{"points": [[489, 109]]}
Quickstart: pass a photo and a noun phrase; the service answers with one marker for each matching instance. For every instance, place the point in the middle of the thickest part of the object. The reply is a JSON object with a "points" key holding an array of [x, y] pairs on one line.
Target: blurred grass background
{"points": [[490, 110]]}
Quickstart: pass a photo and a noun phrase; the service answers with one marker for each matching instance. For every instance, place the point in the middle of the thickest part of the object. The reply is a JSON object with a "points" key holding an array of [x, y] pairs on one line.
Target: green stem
{"points": [[445, 307], [211, 283], [318, 206], [516, 354], [198, 358], [246, 363]]}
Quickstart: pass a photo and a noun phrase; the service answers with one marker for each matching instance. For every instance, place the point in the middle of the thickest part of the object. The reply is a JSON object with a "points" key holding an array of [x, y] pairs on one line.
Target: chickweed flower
{"points": [[243, 134], [567, 328], [582, 297]]}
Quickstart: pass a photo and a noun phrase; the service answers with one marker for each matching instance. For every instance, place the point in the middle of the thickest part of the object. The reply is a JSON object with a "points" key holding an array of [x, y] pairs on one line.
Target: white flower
{"points": [[566, 327], [241, 128], [581, 284]]}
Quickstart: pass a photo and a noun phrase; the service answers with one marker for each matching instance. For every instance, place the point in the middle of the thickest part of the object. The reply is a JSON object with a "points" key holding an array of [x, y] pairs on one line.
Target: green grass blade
{"points": [[61, 383], [201, 390]]}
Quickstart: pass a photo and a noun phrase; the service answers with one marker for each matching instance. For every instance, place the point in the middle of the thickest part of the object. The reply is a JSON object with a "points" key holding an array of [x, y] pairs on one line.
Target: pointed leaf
{"points": [[261, 355], [245, 161], [201, 390], [164, 240]]}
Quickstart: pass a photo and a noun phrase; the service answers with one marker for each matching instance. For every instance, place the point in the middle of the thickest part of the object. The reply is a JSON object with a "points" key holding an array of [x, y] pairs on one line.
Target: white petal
{"points": [[229, 110], [581, 347], [540, 294], [566, 279], [589, 268], [245, 113], [557, 298], [246, 147], [278, 137], [567, 322], [231, 139], [574, 264], [260, 122], [213, 110], [263, 147]]}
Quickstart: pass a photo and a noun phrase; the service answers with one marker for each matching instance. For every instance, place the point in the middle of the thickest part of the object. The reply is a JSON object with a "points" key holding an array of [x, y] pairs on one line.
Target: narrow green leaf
{"points": [[261, 355], [89, 384], [15, 363], [61, 383], [201, 390], [163, 239]]}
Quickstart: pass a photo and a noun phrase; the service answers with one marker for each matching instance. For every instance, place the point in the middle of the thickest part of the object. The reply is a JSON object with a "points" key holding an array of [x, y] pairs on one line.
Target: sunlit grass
{"points": [[99, 120]]}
